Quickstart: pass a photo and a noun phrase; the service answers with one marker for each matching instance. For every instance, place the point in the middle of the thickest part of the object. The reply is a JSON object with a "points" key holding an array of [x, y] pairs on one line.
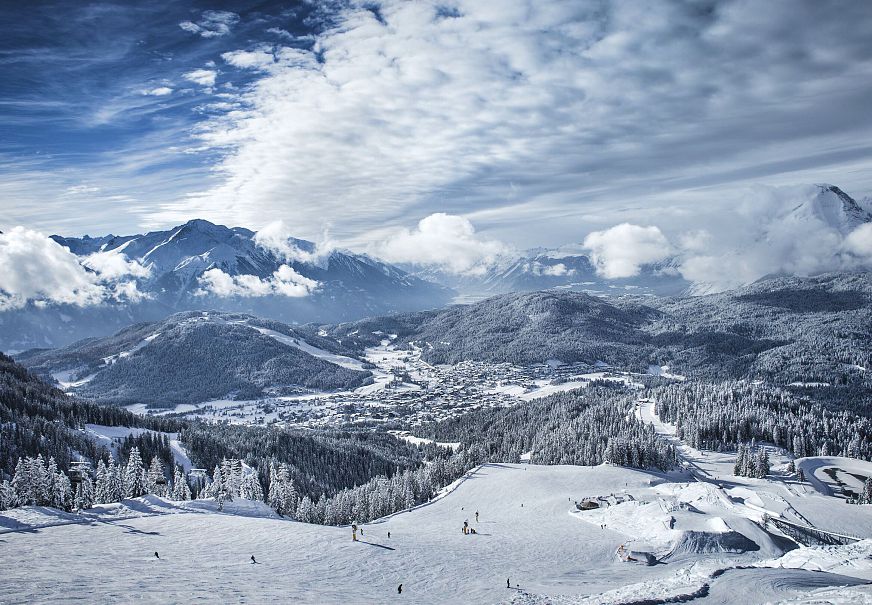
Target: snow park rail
{"points": [[806, 534]]}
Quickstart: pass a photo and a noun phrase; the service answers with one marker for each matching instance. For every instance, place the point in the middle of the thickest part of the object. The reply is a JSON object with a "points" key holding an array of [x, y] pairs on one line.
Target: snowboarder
{"points": [[389, 535], [156, 556], [476, 516], [400, 589], [253, 562], [354, 532], [508, 584]]}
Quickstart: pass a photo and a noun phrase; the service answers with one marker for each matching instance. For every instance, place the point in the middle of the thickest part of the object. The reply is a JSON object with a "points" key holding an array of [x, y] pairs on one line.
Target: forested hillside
{"points": [[36, 418], [192, 357], [584, 426], [781, 329]]}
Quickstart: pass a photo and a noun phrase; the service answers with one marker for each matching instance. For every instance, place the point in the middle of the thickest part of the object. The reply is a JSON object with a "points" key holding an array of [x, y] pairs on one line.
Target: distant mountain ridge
{"points": [[787, 329], [570, 267], [196, 356], [349, 285]]}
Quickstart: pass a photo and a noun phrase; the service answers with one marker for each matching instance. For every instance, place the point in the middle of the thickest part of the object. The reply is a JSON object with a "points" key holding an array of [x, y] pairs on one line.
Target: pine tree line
{"points": [[751, 462], [40, 483], [584, 426], [721, 416]]}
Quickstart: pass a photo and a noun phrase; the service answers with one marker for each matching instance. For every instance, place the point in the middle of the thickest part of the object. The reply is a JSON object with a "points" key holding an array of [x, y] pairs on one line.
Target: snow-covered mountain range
{"points": [[200, 265], [776, 238]]}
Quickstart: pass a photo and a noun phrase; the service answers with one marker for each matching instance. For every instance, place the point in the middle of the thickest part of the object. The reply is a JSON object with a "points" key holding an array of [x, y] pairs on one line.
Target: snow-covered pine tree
{"points": [[7, 495], [84, 494], [761, 463], [55, 488], [155, 480], [305, 510], [216, 488], [866, 495], [22, 483], [741, 454], [43, 485], [115, 478], [101, 484], [320, 509], [234, 476], [282, 493], [63, 492], [250, 488], [134, 475], [181, 489]]}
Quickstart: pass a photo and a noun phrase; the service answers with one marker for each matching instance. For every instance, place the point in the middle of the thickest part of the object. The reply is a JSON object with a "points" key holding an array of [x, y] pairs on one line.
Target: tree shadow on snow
{"points": [[129, 529], [378, 545]]}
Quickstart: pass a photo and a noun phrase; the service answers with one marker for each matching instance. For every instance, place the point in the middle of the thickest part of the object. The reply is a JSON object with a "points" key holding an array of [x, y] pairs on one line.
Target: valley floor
{"points": [[529, 531]]}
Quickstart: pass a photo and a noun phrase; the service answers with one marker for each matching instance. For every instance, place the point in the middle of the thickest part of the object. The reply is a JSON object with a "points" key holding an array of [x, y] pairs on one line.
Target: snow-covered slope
{"points": [[528, 532]]}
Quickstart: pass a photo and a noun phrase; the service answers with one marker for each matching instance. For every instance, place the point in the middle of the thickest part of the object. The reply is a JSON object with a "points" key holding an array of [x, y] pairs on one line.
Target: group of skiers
{"points": [[466, 528]]}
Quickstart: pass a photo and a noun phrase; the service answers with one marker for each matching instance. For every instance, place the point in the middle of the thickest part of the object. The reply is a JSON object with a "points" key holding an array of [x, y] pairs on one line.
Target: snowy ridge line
{"points": [[445, 491]]}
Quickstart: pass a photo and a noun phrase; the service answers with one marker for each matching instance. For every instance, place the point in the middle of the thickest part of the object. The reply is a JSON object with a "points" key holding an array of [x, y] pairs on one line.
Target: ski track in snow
{"points": [[107, 434]]}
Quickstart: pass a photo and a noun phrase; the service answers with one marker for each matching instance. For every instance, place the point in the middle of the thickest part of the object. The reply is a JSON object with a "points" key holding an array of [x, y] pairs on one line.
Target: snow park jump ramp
{"points": [[699, 543]]}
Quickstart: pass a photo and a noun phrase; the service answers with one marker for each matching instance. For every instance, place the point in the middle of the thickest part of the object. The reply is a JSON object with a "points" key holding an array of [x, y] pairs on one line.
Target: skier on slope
{"points": [[156, 556], [476, 516], [400, 589], [252, 560]]}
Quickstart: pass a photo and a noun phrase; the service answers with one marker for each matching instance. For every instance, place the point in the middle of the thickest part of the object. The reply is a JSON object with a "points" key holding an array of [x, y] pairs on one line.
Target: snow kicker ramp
{"points": [[702, 542]]}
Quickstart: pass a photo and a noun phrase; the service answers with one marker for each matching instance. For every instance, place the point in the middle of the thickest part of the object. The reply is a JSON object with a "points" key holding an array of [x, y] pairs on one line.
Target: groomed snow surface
{"points": [[529, 531]]}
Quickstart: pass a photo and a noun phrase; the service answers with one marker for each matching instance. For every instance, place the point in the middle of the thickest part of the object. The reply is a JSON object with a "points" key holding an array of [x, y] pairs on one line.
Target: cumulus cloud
{"points": [[159, 91], [203, 77], [621, 250], [37, 269], [212, 24], [442, 240], [243, 59], [284, 282], [114, 265], [557, 270], [859, 242], [276, 238]]}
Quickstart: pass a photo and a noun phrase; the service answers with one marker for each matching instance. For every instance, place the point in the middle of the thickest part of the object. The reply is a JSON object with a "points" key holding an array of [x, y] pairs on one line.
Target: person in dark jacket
{"points": [[400, 589]]}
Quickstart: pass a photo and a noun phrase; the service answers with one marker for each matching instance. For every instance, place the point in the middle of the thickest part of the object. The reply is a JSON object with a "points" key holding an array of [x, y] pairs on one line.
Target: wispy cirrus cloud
{"points": [[211, 24], [559, 109]]}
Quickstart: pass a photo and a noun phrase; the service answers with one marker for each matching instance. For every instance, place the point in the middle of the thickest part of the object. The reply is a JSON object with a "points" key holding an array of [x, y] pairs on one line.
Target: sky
{"points": [[445, 132]]}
